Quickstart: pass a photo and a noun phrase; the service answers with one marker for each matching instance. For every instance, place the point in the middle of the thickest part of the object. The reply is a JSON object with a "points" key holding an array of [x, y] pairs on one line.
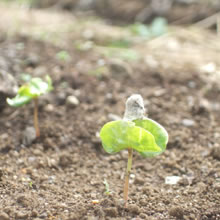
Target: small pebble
{"points": [[176, 212], [72, 101], [23, 200], [112, 212], [4, 216], [216, 186], [215, 153], [21, 215], [65, 160], [33, 60], [188, 122], [31, 159], [172, 180], [49, 108], [133, 208], [34, 213], [29, 136]]}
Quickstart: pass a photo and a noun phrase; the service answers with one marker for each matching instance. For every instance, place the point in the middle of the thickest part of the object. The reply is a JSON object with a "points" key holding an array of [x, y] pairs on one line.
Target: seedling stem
{"points": [[37, 130], [127, 175]]}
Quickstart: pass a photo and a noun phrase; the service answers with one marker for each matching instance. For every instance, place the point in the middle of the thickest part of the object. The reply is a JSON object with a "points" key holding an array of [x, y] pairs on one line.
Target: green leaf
{"points": [[32, 89], [141, 30], [63, 55], [120, 43], [18, 100], [119, 135], [158, 27], [159, 133]]}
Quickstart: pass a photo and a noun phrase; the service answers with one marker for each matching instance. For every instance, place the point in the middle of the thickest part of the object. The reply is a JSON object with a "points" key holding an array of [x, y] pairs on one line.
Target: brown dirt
{"points": [[60, 176], [175, 11]]}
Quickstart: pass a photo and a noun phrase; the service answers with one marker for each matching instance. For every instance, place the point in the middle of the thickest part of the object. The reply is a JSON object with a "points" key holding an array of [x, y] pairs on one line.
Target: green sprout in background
{"points": [[63, 55], [31, 90], [157, 28], [134, 132]]}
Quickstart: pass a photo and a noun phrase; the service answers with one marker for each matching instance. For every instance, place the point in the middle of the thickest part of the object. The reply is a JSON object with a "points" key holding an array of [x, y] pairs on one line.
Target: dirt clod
{"points": [[23, 200], [133, 208], [216, 153], [177, 212], [65, 160], [112, 211], [21, 215], [4, 216]]}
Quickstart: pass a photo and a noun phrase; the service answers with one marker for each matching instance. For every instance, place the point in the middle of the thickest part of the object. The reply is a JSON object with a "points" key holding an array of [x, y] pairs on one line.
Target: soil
{"points": [[61, 174], [175, 11]]}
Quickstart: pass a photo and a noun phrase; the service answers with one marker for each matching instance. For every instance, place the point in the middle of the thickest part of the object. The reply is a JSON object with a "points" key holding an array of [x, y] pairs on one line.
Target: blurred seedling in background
{"points": [[157, 28], [31, 90], [63, 55], [134, 132], [107, 190]]}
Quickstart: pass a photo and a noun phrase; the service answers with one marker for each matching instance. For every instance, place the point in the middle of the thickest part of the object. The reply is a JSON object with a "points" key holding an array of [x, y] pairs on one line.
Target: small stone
{"points": [[119, 67], [209, 68], [32, 60], [120, 202], [65, 160], [172, 180], [215, 153], [143, 216], [177, 212], [216, 186], [8, 87], [4, 216], [29, 136], [188, 122], [49, 108], [133, 208], [34, 213], [21, 215], [72, 101], [112, 212], [192, 84], [23, 200], [1, 174], [139, 180], [31, 159]]}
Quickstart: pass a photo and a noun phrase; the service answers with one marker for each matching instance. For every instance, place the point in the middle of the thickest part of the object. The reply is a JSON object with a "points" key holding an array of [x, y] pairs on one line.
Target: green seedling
{"points": [[30, 184], [31, 91], [134, 132], [107, 190], [157, 28], [63, 55]]}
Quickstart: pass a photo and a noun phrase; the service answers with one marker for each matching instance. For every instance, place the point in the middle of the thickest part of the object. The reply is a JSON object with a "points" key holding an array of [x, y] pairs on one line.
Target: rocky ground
{"points": [[61, 174]]}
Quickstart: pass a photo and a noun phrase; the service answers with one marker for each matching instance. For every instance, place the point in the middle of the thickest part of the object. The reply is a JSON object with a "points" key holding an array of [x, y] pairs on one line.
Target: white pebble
{"points": [[188, 122], [72, 101], [172, 180]]}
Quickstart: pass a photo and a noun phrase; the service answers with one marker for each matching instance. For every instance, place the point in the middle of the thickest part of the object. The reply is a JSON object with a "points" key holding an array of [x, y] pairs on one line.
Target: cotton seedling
{"points": [[134, 132], [31, 90]]}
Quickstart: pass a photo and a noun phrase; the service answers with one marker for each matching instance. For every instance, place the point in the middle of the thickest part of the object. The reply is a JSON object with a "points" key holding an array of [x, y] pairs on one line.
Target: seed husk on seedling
{"points": [[134, 132], [31, 90]]}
